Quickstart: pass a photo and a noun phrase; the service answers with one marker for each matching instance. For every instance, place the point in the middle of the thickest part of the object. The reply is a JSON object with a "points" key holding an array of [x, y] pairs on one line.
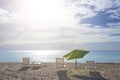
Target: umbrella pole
{"points": [[76, 64]]}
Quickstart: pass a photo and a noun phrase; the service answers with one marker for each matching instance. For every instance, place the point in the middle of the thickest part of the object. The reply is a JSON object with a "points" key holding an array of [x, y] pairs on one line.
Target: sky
{"points": [[59, 24]]}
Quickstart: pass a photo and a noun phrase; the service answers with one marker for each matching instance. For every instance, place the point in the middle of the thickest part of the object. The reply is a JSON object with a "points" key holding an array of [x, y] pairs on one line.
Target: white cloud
{"points": [[115, 13], [3, 15], [25, 28], [100, 5], [114, 25], [79, 34], [97, 6]]}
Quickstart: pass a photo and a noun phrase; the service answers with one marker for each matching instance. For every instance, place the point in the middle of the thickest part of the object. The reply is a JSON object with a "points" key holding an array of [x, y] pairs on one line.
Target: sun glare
{"points": [[43, 12]]}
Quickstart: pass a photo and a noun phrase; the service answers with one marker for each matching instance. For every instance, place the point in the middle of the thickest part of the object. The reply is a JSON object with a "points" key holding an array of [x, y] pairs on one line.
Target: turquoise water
{"points": [[50, 55]]}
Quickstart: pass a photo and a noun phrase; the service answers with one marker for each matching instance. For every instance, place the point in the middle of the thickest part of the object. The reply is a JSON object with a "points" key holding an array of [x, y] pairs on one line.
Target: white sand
{"points": [[16, 71]]}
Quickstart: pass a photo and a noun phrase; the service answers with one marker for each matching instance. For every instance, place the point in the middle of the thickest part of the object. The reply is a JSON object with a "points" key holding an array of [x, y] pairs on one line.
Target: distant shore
{"points": [[17, 71]]}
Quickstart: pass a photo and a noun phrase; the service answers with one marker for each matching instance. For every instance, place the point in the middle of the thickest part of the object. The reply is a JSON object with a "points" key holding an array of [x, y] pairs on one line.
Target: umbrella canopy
{"points": [[76, 54]]}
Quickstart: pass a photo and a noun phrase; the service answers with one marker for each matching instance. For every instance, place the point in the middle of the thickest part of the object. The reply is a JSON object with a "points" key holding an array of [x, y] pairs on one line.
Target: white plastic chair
{"points": [[60, 63], [26, 61], [90, 65]]}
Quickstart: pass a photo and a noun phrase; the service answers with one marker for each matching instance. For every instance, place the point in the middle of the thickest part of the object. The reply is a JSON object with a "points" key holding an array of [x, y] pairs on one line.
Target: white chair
{"points": [[90, 65], [60, 63], [26, 61]]}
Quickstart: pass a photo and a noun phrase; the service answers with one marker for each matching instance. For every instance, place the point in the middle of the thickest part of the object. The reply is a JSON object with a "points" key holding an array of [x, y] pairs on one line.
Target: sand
{"points": [[48, 71], [18, 71]]}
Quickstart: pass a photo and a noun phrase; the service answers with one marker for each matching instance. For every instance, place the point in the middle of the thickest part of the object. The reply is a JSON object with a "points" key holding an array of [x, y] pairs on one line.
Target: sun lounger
{"points": [[26, 61], [59, 62], [90, 65], [36, 64]]}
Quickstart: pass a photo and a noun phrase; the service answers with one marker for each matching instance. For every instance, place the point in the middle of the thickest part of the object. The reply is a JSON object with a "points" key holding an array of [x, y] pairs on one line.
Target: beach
{"points": [[17, 71]]}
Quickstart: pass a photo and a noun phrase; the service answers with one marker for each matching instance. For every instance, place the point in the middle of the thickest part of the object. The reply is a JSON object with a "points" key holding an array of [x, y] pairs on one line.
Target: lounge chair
{"points": [[60, 63], [90, 65], [26, 61], [36, 64]]}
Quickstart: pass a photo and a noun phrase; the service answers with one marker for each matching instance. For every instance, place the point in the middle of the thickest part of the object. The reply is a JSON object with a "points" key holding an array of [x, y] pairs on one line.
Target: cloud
{"points": [[114, 13], [98, 5], [114, 25], [3, 15], [90, 8], [81, 34], [60, 28]]}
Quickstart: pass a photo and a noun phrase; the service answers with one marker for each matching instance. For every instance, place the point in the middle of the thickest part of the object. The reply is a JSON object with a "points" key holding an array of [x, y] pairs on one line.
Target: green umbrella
{"points": [[75, 54]]}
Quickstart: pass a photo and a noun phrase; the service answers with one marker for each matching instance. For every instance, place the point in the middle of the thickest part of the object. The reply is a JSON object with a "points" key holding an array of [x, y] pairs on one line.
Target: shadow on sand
{"points": [[62, 75], [25, 68], [35, 67], [93, 76]]}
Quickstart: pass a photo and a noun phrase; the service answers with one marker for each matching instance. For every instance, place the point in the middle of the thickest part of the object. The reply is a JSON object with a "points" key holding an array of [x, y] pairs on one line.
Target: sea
{"points": [[51, 55]]}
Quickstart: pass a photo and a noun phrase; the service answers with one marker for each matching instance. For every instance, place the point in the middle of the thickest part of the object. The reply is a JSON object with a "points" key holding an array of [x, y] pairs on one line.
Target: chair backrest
{"points": [[26, 61], [59, 62], [90, 65]]}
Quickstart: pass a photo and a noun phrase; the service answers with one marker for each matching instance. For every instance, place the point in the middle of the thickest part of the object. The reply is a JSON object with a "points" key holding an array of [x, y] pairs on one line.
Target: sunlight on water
{"points": [[43, 55]]}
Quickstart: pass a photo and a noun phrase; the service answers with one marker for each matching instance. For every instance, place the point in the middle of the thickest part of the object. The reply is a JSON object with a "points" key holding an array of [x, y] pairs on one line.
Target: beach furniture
{"points": [[26, 61], [60, 63], [76, 54], [90, 65], [36, 64]]}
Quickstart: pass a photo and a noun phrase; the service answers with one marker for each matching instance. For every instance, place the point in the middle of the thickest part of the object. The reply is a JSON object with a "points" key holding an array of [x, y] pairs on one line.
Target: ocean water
{"points": [[50, 55]]}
